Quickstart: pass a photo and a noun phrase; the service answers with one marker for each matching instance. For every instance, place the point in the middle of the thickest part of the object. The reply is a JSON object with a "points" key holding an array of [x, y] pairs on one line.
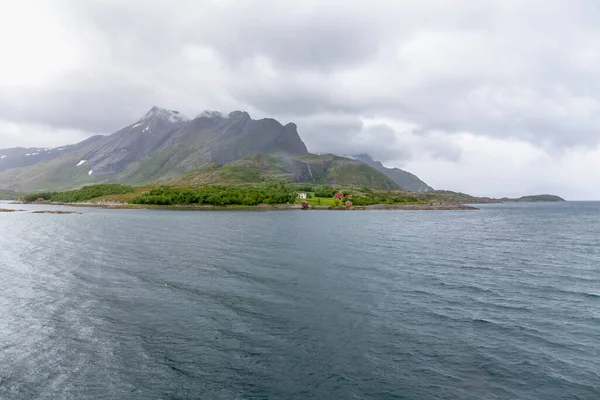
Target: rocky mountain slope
{"points": [[307, 168], [19, 157], [165, 146], [403, 178]]}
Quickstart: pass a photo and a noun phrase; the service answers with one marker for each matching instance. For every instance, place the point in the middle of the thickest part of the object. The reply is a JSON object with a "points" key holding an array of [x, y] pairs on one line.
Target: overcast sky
{"points": [[487, 97]]}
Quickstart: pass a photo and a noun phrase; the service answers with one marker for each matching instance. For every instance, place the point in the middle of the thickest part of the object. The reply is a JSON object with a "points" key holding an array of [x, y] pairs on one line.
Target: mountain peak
{"points": [[211, 114], [165, 115], [239, 114]]}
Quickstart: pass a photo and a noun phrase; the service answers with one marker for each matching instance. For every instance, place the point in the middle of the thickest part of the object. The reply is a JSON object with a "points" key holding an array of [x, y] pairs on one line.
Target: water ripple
{"points": [[497, 304]]}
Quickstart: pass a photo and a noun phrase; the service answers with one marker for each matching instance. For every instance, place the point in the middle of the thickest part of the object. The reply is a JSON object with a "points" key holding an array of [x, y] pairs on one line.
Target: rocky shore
{"points": [[408, 207], [127, 206], [418, 207], [54, 212], [5, 210]]}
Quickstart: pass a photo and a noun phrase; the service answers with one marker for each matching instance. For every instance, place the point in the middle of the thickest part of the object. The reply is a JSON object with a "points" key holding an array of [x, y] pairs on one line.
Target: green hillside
{"points": [[8, 194], [330, 169], [308, 168]]}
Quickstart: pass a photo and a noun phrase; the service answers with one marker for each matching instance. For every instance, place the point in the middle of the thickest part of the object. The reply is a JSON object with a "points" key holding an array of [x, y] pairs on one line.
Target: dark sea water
{"points": [[502, 303]]}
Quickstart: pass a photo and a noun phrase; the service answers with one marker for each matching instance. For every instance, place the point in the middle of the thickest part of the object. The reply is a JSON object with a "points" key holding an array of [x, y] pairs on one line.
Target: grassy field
{"points": [[319, 201]]}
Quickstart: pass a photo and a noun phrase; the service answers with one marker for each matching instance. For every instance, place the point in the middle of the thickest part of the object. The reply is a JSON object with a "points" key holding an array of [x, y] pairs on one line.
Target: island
{"points": [[275, 195], [538, 198], [268, 195], [215, 161]]}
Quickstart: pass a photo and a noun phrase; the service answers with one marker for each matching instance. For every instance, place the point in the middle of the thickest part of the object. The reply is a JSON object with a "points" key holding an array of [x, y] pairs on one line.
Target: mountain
{"points": [[8, 195], [404, 179], [161, 144], [166, 146], [19, 157], [165, 140]]}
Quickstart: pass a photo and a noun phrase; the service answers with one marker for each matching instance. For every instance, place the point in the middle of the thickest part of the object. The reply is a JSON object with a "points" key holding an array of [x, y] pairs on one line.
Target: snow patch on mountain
{"points": [[81, 163]]}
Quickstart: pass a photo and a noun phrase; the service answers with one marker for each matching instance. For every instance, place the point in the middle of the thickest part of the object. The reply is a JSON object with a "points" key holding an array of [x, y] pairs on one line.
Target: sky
{"points": [[488, 97]]}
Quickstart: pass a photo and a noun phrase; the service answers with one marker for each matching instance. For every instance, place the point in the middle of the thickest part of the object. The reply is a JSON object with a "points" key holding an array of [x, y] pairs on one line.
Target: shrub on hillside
{"points": [[79, 195], [275, 193]]}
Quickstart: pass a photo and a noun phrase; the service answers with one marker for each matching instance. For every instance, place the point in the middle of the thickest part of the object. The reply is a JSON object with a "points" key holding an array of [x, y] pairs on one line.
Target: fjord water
{"points": [[502, 303]]}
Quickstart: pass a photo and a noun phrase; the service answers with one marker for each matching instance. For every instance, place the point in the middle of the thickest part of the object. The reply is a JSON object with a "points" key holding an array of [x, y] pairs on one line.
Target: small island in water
{"points": [[539, 198]]}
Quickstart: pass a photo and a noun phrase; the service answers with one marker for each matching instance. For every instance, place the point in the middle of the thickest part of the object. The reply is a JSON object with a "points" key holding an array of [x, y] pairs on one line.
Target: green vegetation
{"points": [[258, 168], [8, 195], [84, 194], [310, 168], [276, 193], [391, 198], [325, 191], [272, 193], [269, 191], [331, 169]]}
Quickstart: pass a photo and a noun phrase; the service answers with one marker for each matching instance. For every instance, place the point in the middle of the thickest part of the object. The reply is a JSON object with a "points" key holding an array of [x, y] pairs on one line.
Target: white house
{"points": [[302, 196]]}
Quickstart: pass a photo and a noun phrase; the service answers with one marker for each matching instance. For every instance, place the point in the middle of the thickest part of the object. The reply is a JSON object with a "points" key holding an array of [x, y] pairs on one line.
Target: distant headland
{"points": [[538, 198]]}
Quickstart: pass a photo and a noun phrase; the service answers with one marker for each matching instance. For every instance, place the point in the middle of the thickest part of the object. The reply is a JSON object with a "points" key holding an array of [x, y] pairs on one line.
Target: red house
{"points": [[339, 195]]}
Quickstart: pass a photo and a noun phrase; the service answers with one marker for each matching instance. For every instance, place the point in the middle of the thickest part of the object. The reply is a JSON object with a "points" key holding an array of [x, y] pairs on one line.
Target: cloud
{"points": [[512, 168], [348, 135], [35, 135], [402, 80]]}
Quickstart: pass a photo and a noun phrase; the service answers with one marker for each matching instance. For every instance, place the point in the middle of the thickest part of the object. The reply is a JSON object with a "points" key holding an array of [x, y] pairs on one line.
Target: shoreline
{"points": [[268, 207]]}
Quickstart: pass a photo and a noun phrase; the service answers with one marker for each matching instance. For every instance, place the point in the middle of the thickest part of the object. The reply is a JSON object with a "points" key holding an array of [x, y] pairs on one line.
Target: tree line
{"points": [[79, 195], [278, 193]]}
